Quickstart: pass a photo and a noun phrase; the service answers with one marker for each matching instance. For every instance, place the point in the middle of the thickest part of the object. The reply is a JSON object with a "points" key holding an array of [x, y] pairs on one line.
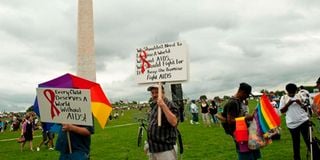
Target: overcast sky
{"points": [[265, 43]]}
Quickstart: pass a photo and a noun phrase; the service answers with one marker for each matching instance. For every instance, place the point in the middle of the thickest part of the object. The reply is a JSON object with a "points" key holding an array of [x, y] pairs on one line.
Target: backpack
{"points": [[228, 129]]}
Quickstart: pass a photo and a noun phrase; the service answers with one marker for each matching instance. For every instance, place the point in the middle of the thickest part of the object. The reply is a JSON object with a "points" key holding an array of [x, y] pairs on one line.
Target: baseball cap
{"points": [[153, 86], [246, 88]]}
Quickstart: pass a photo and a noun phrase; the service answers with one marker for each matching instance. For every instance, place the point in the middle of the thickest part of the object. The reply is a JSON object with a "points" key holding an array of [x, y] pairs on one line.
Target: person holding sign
{"points": [[161, 139], [80, 140]]}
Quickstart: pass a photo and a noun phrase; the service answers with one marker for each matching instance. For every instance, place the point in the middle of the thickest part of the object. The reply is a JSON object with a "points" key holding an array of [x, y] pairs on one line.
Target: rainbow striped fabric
{"points": [[100, 105], [266, 115]]}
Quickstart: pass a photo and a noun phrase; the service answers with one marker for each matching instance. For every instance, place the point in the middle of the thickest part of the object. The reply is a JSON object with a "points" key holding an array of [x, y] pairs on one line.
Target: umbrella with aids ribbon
{"points": [[100, 105]]}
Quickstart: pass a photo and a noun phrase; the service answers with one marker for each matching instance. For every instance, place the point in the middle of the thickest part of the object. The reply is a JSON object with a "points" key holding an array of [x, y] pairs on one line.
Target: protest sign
{"points": [[62, 105], [165, 62]]}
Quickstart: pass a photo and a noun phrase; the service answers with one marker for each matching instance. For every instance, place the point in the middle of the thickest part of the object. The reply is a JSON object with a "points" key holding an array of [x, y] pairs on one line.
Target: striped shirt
{"points": [[162, 138]]}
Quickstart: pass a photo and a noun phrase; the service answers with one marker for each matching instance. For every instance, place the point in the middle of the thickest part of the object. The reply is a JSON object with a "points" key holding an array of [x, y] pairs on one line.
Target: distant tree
{"points": [[216, 98], [134, 102], [264, 91], [203, 97], [30, 109], [279, 93], [226, 97]]}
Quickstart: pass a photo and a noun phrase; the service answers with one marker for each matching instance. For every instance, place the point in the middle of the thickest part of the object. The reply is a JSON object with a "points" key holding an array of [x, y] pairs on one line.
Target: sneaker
{"points": [[51, 149], [38, 149]]}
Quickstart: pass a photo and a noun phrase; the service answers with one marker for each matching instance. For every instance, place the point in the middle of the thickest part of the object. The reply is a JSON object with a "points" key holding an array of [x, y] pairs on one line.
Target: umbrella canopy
{"points": [[100, 105]]}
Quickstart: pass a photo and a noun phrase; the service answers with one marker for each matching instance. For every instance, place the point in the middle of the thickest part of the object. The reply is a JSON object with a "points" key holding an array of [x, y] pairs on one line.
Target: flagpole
{"points": [[69, 142], [159, 109]]}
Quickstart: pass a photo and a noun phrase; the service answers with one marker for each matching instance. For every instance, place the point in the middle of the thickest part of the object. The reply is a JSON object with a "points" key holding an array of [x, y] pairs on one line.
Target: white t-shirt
{"points": [[295, 115], [245, 108], [194, 108]]}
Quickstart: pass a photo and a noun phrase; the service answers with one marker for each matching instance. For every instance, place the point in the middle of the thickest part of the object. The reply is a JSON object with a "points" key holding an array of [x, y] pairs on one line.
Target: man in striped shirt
{"points": [[161, 139]]}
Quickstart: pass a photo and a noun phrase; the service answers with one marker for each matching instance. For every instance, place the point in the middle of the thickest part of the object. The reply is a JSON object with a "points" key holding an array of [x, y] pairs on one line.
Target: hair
{"points": [[291, 88], [27, 117], [193, 101]]}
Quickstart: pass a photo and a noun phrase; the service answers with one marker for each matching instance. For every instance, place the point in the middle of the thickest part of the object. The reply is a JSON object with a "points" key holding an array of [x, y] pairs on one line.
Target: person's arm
{"points": [[22, 128], [231, 108], [76, 129], [172, 119], [286, 106], [298, 101], [231, 119], [250, 117], [315, 109]]}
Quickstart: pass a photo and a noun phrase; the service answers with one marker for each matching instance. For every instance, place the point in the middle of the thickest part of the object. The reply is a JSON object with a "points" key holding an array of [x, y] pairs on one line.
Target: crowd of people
{"points": [[296, 105], [10, 122]]}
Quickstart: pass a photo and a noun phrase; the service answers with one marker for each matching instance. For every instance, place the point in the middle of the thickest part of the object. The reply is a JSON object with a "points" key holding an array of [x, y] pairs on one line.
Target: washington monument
{"points": [[86, 63]]}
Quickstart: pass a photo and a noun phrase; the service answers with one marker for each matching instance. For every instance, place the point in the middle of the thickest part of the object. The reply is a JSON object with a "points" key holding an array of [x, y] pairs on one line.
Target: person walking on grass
{"points": [[47, 137], [161, 139], [297, 119], [27, 132], [205, 111], [194, 111], [213, 110]]}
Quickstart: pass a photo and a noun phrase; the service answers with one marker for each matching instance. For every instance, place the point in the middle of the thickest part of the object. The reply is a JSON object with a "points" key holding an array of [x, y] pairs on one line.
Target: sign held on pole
{"points": [[165, 62], [63, 105]]}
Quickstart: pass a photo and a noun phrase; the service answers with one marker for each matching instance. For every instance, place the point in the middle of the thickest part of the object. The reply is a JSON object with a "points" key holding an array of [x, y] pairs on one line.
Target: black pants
{"points": [[295, 135]]}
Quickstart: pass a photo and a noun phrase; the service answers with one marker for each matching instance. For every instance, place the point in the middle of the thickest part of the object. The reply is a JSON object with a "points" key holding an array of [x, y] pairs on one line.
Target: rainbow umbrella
{"points": [[100, 105], [266, 115]]}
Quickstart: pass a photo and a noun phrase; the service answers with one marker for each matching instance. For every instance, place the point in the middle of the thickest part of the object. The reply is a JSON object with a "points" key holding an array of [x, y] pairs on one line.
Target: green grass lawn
{"points": [[200, 143]]}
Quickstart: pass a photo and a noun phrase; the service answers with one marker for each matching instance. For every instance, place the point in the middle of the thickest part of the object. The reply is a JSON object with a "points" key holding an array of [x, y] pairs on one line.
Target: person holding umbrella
{"points": [[161, 139], [80, 138], [74, 138]]}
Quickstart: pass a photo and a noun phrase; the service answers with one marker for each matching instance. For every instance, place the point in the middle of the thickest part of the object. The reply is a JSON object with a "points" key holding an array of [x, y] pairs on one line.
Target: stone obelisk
{"points": [[86, 63]]}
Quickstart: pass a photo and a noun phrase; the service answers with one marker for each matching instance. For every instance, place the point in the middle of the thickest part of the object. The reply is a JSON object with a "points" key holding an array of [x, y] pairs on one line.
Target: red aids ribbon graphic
{"points": [[143, 58], [54, 109]]}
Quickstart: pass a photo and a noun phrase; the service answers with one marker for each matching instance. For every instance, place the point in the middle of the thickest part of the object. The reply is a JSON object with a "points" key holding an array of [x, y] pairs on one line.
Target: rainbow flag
{"points": [[266, 115]]}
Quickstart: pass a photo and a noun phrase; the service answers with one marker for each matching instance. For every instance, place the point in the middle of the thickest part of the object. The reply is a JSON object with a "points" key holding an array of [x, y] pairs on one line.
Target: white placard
{"points": [[165, 62], [62, 105]]}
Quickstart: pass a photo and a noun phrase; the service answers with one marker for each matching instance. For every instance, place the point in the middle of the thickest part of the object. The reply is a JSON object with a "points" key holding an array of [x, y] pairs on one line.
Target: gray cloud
{"points": [[266, 44]]}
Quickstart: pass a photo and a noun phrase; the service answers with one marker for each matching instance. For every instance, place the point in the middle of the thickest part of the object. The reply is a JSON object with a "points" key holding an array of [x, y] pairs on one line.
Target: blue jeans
{"points": [[74, 156]]}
